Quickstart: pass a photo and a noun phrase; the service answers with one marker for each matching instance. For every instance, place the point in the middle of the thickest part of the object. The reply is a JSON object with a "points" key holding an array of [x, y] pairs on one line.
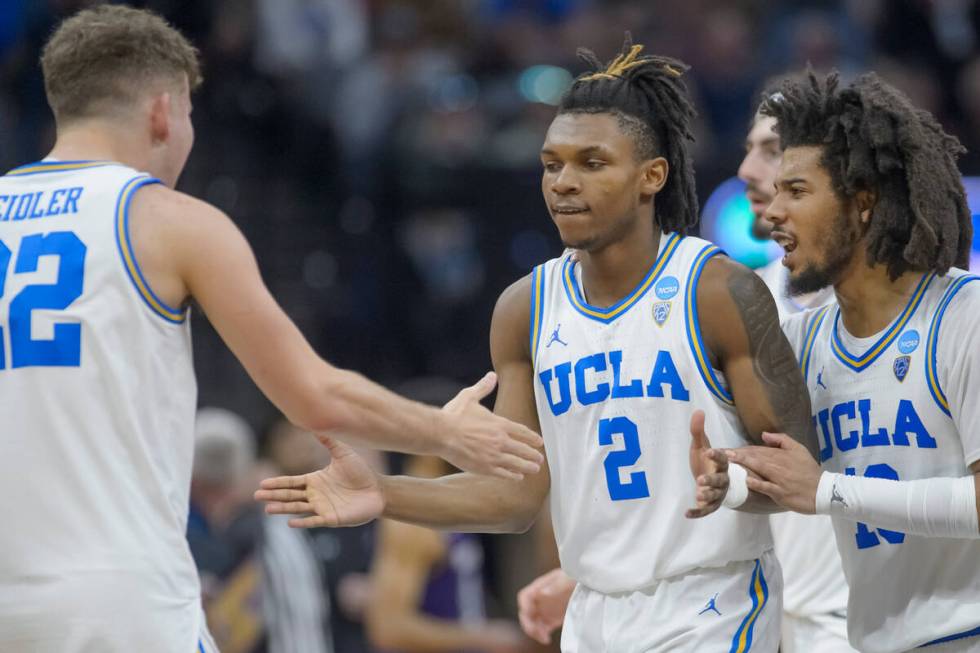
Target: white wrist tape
{"points": [[738, 491], [934, 507]]}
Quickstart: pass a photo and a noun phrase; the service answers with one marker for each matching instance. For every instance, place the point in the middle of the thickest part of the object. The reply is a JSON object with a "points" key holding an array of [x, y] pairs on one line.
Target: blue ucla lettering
{"points": [[839, 411], [619, 391], [869, 439], [832, 424], [561, 374], [595, 362], [907, 421], [827, 450], [664, 371], [592, 382]]}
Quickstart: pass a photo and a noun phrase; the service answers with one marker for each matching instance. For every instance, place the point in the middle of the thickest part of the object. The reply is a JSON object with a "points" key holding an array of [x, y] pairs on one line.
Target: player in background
{"points": [[612, 354], [869, 200], [814, 588], [99, 259]]}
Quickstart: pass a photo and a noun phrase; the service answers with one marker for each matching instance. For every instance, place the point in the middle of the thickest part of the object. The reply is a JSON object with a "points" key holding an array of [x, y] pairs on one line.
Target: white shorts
{"points": [[964, 645], [822, 633], [732, 609]]}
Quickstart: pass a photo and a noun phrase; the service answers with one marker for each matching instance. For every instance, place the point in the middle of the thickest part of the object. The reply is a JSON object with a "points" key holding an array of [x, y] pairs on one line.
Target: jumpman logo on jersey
{"points": [[835, 496], [556, 338], [820, 379], [711, 606]]}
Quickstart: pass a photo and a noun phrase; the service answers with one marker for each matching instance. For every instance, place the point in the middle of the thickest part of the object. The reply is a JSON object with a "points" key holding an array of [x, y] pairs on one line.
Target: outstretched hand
{"points": [[709, 467], [482, 442], [347, 492], [788, 473], [542, 604]]}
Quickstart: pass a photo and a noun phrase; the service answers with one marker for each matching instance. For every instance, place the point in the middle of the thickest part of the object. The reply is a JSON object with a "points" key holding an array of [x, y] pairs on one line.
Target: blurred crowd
{"points": [[382, 158]]}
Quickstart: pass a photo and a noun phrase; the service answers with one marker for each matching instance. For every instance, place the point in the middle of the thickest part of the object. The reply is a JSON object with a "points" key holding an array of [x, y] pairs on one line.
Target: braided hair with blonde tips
{"points": [[649, 99]]}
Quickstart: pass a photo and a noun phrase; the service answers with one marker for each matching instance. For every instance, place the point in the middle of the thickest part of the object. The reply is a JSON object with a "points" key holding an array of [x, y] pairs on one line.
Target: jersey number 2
{"points": [[64, 349], [636, 487]]}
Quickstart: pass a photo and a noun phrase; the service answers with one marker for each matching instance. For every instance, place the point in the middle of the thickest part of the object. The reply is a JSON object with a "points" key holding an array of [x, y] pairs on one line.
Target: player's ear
{"points": [[865, 201], [160, 117], [653, 176]]}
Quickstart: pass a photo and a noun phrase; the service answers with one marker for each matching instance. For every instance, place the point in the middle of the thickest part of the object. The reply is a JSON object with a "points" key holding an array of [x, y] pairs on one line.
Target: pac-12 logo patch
{"points": [[661, 311], [908, 342], [901, 367], [667, 288]]}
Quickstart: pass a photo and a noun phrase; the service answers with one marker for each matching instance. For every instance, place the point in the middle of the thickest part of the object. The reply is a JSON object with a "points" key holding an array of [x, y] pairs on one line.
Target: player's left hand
{"points": [[709, 467], [788, 473]]}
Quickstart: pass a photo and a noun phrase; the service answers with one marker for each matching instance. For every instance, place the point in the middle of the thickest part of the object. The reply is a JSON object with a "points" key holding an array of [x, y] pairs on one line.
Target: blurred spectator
{"points": [[224, 528], [428, 588]]}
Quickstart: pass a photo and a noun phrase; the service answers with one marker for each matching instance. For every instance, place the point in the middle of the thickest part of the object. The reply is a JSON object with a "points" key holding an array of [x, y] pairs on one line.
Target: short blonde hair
{"points": [[102, 57]]}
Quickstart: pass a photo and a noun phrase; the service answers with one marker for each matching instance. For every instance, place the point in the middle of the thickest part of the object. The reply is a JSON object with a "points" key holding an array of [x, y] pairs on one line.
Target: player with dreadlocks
{"points": [[869, 200], [610, 353]]}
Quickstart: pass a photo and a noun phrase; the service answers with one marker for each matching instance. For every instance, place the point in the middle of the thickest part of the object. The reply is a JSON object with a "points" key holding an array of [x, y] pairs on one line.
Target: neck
{"points": [[610, 273], [96, 140], [869, 299]]}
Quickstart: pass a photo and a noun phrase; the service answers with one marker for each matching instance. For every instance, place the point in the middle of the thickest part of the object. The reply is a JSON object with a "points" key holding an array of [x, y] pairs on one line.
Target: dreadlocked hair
{"points": [[649, 100], [873, 139]]}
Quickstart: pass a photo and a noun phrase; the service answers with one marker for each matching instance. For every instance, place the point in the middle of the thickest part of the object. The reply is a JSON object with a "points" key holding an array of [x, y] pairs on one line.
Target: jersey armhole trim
{"points": [[810, 337], [694, 328], [932, 342], [537, 310], [128, 256]]}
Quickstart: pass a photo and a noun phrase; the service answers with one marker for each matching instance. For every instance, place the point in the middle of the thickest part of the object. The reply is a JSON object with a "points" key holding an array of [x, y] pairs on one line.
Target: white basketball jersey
{"points": [[813, 580], [97, 397], [615, 389], [901, 405]]}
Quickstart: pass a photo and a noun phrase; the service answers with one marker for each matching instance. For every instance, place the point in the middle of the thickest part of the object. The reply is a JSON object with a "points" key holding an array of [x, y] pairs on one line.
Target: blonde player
{"points": [[99, 259], [611, 354], [869, 200]]}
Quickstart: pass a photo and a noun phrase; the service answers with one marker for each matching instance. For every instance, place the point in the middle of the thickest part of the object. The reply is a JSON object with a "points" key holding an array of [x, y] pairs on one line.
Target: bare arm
{"points": [[466, 502], [347, 492], [741, 330], [188, 248]]}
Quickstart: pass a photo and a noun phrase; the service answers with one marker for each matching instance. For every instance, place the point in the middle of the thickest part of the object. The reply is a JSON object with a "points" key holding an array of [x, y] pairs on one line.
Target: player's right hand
{"points": [[542, 604], [347, 492], [481, 442]]}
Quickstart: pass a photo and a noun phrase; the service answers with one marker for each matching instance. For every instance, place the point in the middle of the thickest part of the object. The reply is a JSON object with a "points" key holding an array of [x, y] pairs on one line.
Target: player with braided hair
{"points": [[611, 352], [869, 200]]}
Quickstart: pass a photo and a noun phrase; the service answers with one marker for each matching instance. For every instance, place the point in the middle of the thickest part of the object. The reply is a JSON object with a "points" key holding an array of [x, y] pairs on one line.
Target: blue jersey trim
{"points": [[932, 374], [607, 315], [759, 593], [200, 646], [537, 310], [43, 167], [125, 248], [810, 337], [694, 328], [953, 638], [861, 363]]}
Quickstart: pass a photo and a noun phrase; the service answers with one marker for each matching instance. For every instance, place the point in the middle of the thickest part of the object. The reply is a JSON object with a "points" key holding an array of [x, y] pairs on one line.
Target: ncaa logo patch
{"points": [[908, 342], [661, 311], [901, 367], [667, 288]]}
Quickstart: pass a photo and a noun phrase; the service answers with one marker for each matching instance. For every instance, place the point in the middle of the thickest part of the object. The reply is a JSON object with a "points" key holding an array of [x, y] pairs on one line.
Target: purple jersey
{"points": [[455, 586]]}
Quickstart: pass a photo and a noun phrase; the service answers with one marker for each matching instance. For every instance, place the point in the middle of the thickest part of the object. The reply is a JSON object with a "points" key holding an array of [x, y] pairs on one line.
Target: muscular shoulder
{"points": [[732, 299], [510, 328]]}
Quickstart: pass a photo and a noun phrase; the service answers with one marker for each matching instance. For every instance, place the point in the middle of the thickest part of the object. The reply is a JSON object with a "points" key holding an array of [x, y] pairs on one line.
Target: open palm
{"points": [[347, 492]]}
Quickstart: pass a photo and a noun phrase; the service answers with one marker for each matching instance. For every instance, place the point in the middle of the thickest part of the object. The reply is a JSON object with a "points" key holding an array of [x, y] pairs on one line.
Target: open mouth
{"points": [[568, 210]]}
